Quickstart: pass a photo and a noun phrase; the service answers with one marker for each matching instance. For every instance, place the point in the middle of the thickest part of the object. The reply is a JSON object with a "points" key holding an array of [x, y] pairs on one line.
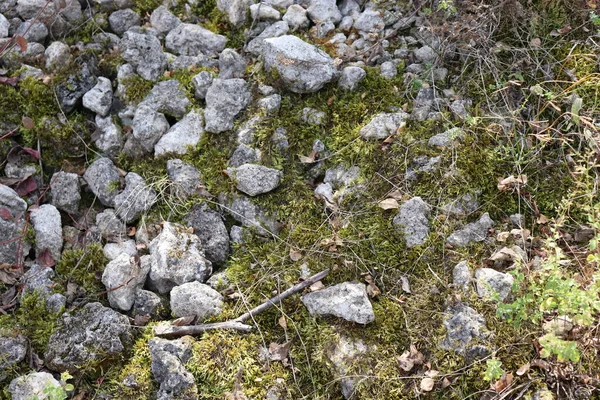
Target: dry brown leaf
{"points": [[503, 382], [432, 373], [310, 159], [184, 321], [445, 383], [389, 204], [523, 370], [316, 286], [295, 255], [410, 358], [372, 289], [542, 219], [502, 236], [505, 254], [523, 233], [405, 284], [79, 396], [27, 123], [9, 275], [427, 384], [396, 194], [282, 322], [535, 43], [512, 182], [21, 42], [279, 352]]}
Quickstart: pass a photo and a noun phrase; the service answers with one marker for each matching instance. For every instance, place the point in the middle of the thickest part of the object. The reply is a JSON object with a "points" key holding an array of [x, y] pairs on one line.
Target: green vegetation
{"points": [[84, 267]]}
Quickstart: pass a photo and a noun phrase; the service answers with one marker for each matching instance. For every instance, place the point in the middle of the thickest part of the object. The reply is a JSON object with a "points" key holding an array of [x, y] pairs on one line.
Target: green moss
{"points": [[138, 369], [136, 88], [84, 267]]}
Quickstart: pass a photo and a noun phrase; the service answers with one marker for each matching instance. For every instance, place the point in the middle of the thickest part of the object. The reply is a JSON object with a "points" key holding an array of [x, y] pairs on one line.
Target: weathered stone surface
{"points": [[135, 199], [351, 78], [463, 325], [192, 39], [65, 191], [324, 10], [296, 17], [99, 98], [12, 351], [209, 227], [11, 225], [168, 368], [114, 250], [74, 87], [122, 277], [370, 21], [89, 335], [144, 52], [491, 283], [121, 20], [110, 226], [302, 67], [148, 127], [187, 180], [195, 299], [346, 300], [254, 179], [264, 12], [243, 210], [447, 138], [202, 83], [313, 116], [461, 206], [413, 220], [425, 54], [104, 180], [57, 55], [149, 303], [225, 99], [32, 386], [343, 355], [473, 232], [107, 137], [47, 225], [177, 257], [257, 45], [168, 97], [4, 26], [384, 125], [462, 275], [244, 154], [163, 20], [185, 133]]}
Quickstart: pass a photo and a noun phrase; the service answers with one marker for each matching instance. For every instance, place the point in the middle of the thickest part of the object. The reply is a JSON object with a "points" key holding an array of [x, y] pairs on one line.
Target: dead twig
{"points": [[238, 323]]}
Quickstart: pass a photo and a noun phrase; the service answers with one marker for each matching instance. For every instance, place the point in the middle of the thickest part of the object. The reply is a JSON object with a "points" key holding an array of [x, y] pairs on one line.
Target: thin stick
{"points": [[238, 323]]}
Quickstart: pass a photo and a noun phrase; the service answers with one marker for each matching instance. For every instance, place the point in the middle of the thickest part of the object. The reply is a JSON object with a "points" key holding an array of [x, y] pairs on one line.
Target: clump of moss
{"points": [[83, 267], [136, 88], [137, 369]]}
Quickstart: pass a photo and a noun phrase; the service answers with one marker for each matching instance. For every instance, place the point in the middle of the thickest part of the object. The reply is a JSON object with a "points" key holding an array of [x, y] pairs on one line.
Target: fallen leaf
{"points": [[282, 322], [410, 358], [504, 382], [310, 159], [535, 43], [523, 233], [44, 259], [427, 384], [9, 275], [542, 219], [27, 123], [8, 81], [502, 236], [505, 254], [389, 204], [523, 370], [131, 231], [372, 289], [25, 187], [5, 214], [445, 383], [432, 373], [33, 153], [316, 286], [564, 30], [279, 352], [184, 321], [295, 255], [405, 284], [330, 100], [21, 42], [396, 194], [512, 182]]}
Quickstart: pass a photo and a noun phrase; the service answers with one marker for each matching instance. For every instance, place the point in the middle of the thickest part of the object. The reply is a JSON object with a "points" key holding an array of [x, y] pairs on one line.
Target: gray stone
{"points": [[351, 77], [425, 54], [99, 98], [347, 300], [33, 31], [491, 283], [343, 355], [225, 99], [461, 275], [110, 226], [135, 199], [413, 221], [244, 154], [250, 215], [446, 139], [148, 127], [111, 5], [383, 125], [473, 232], [74, 87], [256, 46], [168, 368], [323, 29], [324, 10], [270, 104], [219, 281], [163, 20], [58, 55], [12, 351], [168, 97], [296, 17], [236, 10], [231, 64], [280, 140], [89, 335], [325, 192], [122, 277], [31, 72], [104, 180], [33, 386], [38, 279], [148, 303], [65, 191], [191, 39], [459, 108], [144, 52], [107, 138], [187, 180], [463, 325], [280, 4], [517, 220], [312, 116], [302, 67], [346, 24], [14, 171], [195, 299], [177, 257], [121, 20], [464, 205], [264, 12], [4, 26], [340, 176], [209, 227], [388, 70], [114, 250], [370, 21], [202, 83], [425, 97], [48, 230], [254, 179], [186, 133]]}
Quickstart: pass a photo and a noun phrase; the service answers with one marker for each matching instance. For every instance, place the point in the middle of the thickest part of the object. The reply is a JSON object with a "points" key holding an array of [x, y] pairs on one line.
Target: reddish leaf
{"points": [[45, 259], [33, 153], [8, 81], [21, 42], [5, 214], [28, 123], [26, 187]]}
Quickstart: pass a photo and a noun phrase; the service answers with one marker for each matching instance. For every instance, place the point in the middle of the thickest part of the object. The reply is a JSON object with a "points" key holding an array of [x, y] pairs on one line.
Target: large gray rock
{"points": [[343, 355], [346, 300], [324, 11], [187, 180], [33, 31], [168, 97], [447, 138], [12, 351], [351, 77], [65, 191], [122, 277], [168, 368], [186, 133], [254, 179], [177, 258], [383, 125], [148, 127], [107, 138], [104, 180], [231, 64], [413, 221], [473, 232], [225, 99], [87, 336], [48, 230], [144, 52], [99, 98], [192, 39], [33, 386], [195, 299], [163, 20], [302, 67], [209, 227], [135, 199], [463, 326], [491, 283], [121, 20]]}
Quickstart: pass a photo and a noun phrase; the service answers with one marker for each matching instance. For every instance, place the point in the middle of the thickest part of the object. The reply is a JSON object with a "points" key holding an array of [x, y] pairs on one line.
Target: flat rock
{"points": [[195, 299], [254, 179], [184, 134], [231, 64], [107, 138], [192, 39], [114, 250], [121, 20], [346, 300], [324, 11], [383, 125], [148, 127], [65, 191], [473, 232], [413, 221], [144, 52], [187, 180], [168, 97], [12, 351], [491, 283], [463, 326], [351, 78], [250, 215], [163, 20], [104, 180], [343, 355], [447, 138], [225, 99], [256, 46], [122, 277], [210, 228]]}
